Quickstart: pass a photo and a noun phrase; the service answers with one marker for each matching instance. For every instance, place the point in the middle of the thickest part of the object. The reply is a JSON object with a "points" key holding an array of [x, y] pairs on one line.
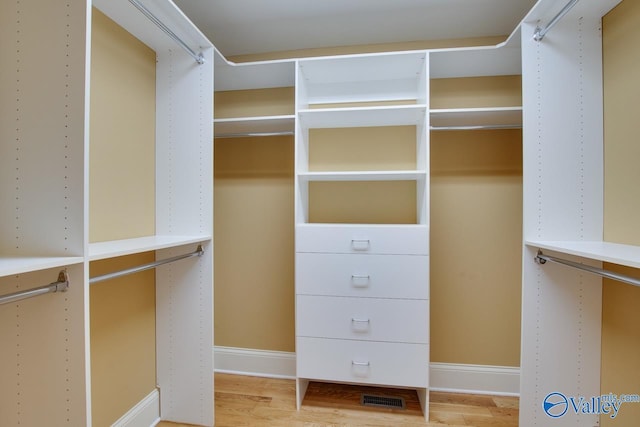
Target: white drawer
{"points": [[372, 319], [379, 276], [367, 362], [355, 238]]}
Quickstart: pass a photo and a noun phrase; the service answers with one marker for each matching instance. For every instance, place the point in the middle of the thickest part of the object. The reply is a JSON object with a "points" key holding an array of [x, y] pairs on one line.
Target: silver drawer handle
{"points": [[360, 244], [356, 320], [360, 280], [353, 362]]}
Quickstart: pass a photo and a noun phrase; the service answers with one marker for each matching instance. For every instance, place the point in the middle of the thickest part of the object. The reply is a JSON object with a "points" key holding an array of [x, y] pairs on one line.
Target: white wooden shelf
{"points": [[247, 126], [253, 75], [476, 117], [115, 248], [363, 117], [362, 78], [386, 175], [476, 62], [10, 266], [627, 255]]}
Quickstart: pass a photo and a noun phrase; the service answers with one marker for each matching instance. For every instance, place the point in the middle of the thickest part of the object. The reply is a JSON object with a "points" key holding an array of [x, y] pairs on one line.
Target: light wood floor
{"points": [[252, 401]]}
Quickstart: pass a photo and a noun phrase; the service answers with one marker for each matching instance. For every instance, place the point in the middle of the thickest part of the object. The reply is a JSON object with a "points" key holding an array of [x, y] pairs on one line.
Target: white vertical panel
{"points": [[184, 150], [184, 328], [184, 206], [43, 353], [562, 178], [561, 318], [42, 127]]}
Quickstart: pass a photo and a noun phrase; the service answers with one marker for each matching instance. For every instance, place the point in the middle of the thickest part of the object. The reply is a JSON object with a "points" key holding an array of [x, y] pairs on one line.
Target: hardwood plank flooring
{"points": [[254, 401]]}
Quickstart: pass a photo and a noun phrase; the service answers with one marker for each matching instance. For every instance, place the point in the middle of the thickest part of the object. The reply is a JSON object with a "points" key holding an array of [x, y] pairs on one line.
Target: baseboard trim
{"points": [[144, 414], [259, 363], [475, 379], [454, 378]]}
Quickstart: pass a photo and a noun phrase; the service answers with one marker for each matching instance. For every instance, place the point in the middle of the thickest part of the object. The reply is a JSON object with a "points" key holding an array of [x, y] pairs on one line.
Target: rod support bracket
{"points": [[539, 259], [62, 285]]}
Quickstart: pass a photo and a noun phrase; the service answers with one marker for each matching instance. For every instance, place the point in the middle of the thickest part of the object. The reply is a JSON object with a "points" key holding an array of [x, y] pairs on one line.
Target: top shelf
{"points": [[616, 253], [476, 62], [362, 78]]}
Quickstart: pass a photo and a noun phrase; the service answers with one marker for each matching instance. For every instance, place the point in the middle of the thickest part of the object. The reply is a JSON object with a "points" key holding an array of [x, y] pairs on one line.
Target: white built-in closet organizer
{"points": [[44, 217], [362, 290]]}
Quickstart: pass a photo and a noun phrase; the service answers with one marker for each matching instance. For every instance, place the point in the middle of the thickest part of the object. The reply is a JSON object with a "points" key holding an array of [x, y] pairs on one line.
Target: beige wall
{"points": [[254, 246], [122, 205], [122, 151], [621, 302], [476, 236], [476, 209]]}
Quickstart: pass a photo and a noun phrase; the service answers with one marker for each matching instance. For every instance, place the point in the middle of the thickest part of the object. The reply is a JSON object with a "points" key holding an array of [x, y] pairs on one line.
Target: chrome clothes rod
{"points": [[475, 127], [252, 134], [146, 12], [539, 33], [61, 285], [143, 267], [542, 259]]}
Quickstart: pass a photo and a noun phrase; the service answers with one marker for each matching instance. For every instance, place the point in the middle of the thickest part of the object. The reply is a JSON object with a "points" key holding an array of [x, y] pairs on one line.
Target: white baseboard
{"points": [[146, 413], [259, 363], [475, 379], [455, 378]]}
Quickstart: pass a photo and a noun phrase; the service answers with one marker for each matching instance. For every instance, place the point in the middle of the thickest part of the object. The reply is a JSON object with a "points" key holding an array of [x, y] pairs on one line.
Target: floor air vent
{"points": [[390, 402]]}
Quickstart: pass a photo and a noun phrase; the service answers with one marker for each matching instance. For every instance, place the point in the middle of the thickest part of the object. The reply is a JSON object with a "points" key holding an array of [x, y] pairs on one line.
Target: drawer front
{"points": [[371, 319], [377, 276], [379, 239], [367, 362]]}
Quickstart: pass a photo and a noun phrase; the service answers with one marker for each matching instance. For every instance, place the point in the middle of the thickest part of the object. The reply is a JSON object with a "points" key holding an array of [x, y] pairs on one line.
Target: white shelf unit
{"points": [[563, 209], [44, 211], [350, 267]]}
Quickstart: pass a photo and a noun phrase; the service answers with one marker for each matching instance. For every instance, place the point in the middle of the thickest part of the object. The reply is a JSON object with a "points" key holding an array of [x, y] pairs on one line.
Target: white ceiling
{"points": [[239, 27]]}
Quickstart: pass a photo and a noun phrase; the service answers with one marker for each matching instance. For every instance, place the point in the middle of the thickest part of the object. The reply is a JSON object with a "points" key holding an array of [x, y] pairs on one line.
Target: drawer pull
{"points": [[354, 363], [360, 280], [360, 245], [356, 320]]}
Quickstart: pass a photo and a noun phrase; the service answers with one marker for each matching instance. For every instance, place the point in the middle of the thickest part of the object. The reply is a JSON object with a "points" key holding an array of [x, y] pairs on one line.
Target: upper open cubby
{"points": [[375, 78]]}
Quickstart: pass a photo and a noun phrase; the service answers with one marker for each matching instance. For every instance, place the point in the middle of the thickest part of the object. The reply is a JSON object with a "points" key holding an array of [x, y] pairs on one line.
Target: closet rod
{"points": [[539, 33], [476, 127], [542, 259], [143, 267], [61, 285], [251, 134], [146, 12]]}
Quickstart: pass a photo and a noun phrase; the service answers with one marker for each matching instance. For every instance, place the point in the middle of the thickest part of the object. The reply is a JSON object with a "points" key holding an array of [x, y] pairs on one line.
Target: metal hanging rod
{"points": [[143, 267], [476, 127], [539, 33], [61, 285], [542, 259], [146, 12], [252, 134]]}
